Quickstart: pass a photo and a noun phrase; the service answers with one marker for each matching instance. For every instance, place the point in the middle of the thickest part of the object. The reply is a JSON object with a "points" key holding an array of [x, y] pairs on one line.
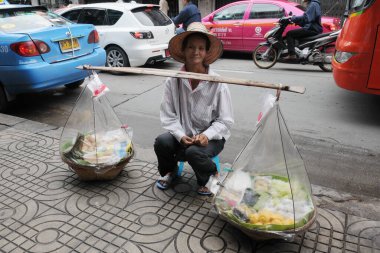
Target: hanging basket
{"points": [[94, 143], [268, 193], [269, 235], [105, 172]]}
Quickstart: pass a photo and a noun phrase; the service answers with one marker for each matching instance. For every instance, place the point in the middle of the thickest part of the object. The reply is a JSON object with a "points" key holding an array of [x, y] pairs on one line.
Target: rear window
{"points": [[151, 16], [113, 16], [15, 20]]}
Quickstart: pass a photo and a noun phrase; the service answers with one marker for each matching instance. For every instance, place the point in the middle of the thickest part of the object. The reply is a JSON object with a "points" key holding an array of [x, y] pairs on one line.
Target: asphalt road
{"points": [[336, 131]]}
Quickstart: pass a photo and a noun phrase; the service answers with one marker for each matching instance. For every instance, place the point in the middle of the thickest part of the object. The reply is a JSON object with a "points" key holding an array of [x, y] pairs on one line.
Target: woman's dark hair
{"points": [[197, 34]]}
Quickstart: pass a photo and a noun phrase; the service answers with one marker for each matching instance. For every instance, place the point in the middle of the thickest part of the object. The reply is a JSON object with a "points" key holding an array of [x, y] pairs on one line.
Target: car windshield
{"points": [[359, 5], [15, 20], [151, 16]]}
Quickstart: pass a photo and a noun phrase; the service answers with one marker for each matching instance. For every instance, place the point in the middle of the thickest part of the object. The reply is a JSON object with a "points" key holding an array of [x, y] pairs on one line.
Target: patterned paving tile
{"points": [[45, 208]]}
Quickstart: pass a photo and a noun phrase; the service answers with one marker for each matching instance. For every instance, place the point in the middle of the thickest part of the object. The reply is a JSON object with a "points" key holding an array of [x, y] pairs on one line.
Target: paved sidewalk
{"points": [[45, 208]]}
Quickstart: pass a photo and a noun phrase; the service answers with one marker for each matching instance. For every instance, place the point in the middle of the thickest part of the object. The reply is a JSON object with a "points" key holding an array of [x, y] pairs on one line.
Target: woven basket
{"points": [[92, 173], [267, 235]]}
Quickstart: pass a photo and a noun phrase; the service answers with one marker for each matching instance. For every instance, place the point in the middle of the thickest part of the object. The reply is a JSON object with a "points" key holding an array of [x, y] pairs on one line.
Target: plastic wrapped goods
{"points": [[94, 143], [268, 194]]}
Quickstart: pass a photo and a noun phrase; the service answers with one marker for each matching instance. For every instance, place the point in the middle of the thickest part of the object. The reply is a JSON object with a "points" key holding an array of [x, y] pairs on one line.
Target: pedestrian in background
{"points": [[189, 14], [164, 6], [197, 114]]}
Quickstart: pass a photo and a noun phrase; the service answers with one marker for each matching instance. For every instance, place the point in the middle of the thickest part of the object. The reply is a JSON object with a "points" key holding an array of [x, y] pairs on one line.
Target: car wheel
{"points": [[264, 56], [74, 85], [116, 57], [4, 103]]}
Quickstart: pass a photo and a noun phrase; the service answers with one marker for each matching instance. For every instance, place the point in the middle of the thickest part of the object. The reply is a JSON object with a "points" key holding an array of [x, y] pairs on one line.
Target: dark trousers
{"points": [[292, 35], [169, 151]]}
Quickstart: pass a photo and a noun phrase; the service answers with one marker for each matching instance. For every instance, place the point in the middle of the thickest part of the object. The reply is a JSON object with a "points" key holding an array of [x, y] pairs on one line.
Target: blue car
{"points": [[40, 50]]}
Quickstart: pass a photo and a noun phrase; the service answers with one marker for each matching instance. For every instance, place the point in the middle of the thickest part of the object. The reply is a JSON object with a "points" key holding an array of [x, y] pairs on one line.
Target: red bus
{"points": [[356, 64]]}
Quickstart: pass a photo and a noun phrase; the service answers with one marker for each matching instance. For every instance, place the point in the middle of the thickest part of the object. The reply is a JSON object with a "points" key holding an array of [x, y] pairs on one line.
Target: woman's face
{"points": [[195, 50]]}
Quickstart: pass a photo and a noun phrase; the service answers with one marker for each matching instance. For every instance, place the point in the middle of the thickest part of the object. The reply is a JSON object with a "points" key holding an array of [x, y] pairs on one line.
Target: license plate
{"points": [[68, 45]]}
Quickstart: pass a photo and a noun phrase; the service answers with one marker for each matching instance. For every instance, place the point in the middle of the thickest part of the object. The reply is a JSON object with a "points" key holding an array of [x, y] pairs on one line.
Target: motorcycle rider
{"points": [[310, 22], [189, 14]]}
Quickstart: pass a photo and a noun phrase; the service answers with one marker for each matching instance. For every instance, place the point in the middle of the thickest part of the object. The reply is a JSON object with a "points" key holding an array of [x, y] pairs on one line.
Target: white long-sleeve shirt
{"points": [[207, 109]]}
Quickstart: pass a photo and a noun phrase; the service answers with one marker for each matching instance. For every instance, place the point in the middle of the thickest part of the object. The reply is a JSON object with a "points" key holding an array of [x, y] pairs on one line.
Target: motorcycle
{"points": [[316, 50]]}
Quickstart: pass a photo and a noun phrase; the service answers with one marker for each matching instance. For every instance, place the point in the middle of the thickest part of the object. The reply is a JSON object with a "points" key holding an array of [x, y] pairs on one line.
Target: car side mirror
{"points": [[211, 18], [290, 13]]}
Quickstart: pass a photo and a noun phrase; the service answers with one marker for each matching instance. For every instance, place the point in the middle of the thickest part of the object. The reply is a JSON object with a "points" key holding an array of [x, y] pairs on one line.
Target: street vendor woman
{"points": [[197, 114]]}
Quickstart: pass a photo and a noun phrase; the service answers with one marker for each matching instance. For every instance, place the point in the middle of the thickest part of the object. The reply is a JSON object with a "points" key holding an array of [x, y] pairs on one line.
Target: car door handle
{"points": [[236, 24]]}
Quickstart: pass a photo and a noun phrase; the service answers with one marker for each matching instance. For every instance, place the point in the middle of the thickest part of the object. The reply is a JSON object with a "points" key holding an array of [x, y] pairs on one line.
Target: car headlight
{"points": [[343, 57]]}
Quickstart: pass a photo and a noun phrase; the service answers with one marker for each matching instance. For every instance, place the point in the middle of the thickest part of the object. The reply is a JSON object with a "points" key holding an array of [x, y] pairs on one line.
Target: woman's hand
{"points": [[187, 141], [201, 140]]}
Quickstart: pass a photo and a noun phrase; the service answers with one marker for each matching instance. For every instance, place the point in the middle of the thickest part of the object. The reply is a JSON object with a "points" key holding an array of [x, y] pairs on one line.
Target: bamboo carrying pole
{"points": [[196, 76]]}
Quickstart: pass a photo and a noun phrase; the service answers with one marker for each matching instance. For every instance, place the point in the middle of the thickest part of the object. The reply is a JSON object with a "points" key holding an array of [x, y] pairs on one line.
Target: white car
{"points": [[132, 34]]}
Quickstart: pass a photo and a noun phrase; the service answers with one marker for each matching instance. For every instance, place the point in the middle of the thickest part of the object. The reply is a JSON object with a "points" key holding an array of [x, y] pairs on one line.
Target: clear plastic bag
{"points": [[94, 143], [268, 194], [267, 102]]}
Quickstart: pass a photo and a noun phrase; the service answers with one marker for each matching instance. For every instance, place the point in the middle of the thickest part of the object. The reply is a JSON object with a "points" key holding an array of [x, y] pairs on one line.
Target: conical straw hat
{"points": [[214, 52]]}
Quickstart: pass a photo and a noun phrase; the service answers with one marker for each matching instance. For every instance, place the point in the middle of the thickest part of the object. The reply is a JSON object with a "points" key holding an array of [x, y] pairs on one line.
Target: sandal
{"points": [[164, 182], [203, 190]]}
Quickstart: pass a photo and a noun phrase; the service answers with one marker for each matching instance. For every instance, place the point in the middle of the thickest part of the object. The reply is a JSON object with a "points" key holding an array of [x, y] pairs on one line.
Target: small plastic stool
{"points": [[215, 159]]}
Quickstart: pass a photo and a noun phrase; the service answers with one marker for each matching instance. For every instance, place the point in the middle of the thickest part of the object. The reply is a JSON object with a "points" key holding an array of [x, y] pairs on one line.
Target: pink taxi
{"points": [[242, 25]]}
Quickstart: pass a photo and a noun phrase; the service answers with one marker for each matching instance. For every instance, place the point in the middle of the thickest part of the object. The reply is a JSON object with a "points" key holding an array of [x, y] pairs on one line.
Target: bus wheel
{"points": [[264, 56], [327, 56]]}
